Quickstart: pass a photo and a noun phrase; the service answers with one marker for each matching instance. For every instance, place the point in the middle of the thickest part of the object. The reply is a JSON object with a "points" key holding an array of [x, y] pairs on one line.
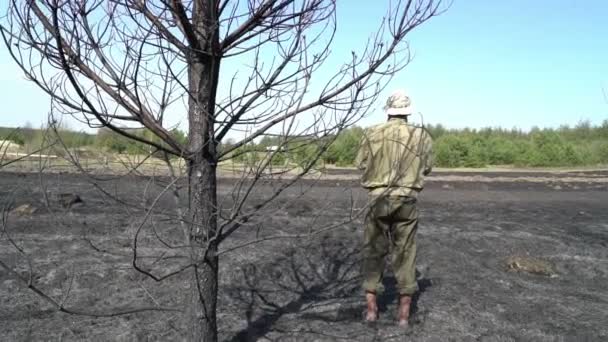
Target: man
{"points": [[395, 157]]}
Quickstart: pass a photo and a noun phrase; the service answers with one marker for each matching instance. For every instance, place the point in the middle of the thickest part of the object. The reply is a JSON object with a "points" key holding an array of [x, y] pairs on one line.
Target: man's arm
{"points": [[428, 154], [363, 153]]}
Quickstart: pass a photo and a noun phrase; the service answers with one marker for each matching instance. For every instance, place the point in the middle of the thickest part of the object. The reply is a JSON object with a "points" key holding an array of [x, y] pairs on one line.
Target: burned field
{"points": [[509, 257]]}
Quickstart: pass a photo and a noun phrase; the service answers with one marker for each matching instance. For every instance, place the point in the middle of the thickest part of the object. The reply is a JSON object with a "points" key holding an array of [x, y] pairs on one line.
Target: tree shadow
{"points": [[311, 281], [310, 287]]}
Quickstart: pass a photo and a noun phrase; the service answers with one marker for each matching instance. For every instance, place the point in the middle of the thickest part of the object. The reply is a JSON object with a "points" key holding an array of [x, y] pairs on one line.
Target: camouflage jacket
{"points": [[395, 157]]}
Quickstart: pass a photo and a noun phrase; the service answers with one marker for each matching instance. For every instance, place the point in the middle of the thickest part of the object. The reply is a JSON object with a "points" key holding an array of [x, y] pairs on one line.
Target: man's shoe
{"points": [[404, 310], [371, 315]]}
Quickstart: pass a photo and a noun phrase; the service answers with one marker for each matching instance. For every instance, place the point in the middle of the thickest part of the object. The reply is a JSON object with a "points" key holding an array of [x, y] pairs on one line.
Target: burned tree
{"points": [[227, 69]]}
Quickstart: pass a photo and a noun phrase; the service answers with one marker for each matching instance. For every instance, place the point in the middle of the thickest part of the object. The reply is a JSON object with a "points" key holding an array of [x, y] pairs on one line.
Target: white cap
{"points": [[398, 103]]}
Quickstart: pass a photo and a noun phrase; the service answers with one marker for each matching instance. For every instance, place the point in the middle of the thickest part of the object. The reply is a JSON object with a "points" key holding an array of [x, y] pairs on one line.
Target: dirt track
{"points": [[308, 290]]}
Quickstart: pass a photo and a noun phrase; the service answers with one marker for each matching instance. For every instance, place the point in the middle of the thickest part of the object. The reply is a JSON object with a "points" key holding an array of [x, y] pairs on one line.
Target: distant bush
{"points": [[110, 141], [343, 150]]}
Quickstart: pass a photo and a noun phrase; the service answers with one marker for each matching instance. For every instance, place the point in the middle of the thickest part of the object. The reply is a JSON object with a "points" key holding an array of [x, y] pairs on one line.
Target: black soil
{"points": [[307, 289]]}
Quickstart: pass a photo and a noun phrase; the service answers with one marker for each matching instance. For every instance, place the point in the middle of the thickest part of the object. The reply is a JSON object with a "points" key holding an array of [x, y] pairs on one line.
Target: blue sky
{"points": [[483, 63]]}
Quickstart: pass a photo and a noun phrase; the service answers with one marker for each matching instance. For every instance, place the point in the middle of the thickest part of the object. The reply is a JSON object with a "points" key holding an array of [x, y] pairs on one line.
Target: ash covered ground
{"points": [[309, 289]]}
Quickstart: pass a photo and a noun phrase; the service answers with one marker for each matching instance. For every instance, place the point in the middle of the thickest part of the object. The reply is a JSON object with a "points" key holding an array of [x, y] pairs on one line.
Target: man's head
{"points": [[398, 105]]}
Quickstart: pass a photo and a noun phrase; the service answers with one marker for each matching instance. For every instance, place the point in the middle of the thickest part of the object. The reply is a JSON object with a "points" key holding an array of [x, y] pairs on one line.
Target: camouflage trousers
{"points": [[390, 228]]}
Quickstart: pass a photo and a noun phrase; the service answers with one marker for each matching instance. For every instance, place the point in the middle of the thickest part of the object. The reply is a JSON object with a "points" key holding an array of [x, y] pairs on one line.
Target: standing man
{"points": [[395, 157]]}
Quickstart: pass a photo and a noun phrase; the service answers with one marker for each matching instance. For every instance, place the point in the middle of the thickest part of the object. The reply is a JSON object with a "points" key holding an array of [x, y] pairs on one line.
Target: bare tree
{"points": [[236, 69]]}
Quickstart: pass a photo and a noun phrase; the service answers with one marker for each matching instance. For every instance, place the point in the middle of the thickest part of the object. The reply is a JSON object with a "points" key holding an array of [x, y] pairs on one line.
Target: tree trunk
{"points": [[203, 210], [203, 74], [204, 277]]}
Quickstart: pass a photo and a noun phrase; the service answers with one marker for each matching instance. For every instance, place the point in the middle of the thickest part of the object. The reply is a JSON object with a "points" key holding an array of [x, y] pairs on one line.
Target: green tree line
{"points": [[104, 140], [32, 138], [580, 145]]}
